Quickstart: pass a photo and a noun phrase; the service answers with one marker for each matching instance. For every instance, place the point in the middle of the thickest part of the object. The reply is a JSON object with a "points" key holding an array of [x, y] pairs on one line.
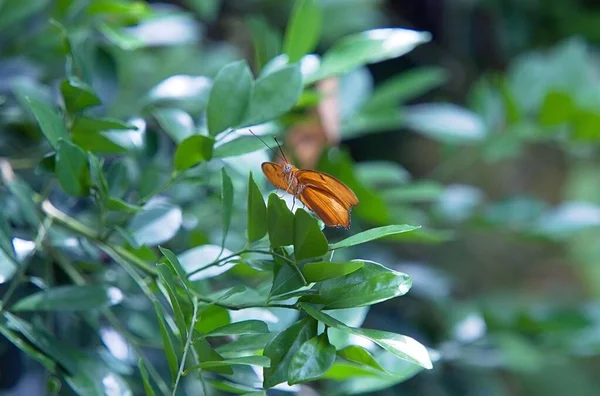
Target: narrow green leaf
{"points": [[265, 39], [227, 202], [167, 342], [180, 302], [243, 327], [323, 270], [207, 354], [247, 343], [24, 195], [51, 124], [303, 29], [26, 347], [372, 234], [212, 317], [358, 354], [72, 168], [192, 151], [77, 95], [261, 361], [230, 387], [309, 240], [229, 97], [281, 349], [371, 284], [86, 125], [286, 279], [257, 212], [274, 95], [177, 123], [145, 380], [175, 265], [98, 180], [280, 222], [120, 37], [312, 360], [368, 47], [121, 206], [70, 298]]}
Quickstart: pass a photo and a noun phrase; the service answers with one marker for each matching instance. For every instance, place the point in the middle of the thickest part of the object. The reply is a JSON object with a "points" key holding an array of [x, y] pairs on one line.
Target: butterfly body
{"points": [[324, 194]]}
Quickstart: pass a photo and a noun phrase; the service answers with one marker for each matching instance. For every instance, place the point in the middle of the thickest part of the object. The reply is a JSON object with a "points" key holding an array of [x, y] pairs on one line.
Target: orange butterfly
{"points": [[325, 195]]}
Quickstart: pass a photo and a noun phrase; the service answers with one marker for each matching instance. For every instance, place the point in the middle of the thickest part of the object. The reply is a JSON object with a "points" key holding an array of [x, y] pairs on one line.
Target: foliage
{"points": [[128, 171]]}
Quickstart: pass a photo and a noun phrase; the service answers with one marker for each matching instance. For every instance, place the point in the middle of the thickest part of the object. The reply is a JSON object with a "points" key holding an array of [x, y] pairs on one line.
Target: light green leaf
{"points": [[303, 29], [243, 327], [50, 122], [261, 361], [358, 354], [280, 222], [193, 150], [265, 39], [312, 360], [145, 380], [229, 97], [176, 123], [156, 224], [257, 212], [212, 317], [323, 270], [309, 240], [446, 122], [367, 47], [167, 342], [274, 95], [198, 258], [372, 234], [70, 298], [227, 203]]}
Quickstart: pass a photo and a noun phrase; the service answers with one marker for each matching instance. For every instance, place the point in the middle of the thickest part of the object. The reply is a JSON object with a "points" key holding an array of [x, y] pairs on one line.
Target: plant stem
{"points": [[188, 343]]}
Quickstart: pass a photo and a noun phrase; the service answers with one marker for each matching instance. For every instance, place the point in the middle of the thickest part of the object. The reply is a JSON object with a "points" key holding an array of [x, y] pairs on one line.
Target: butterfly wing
{"points": [[274, 173], [332, 211], [330, 185]]}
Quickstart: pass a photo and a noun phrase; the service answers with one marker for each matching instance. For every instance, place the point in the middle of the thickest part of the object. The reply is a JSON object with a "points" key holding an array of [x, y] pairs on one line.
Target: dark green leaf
{"points": [[145, 380], [281, 349], [26, 347], [72, 168], [257, 212], [70, 298], [368, 47], [167, 342], [231, 387], [178, 124], [274, 94], [8, 264], [180, 302], [226, 202], [175, 265], [77, 95], [261, 361], [229, 97], [240, 146], [286, 279], [311, 360], [323, 270], [119, 205], [87, 125], [243, 327], [51, 124], [212, 317], [405, 86], [303, 29], [309, 240], [193, 150], [372, 234], [265, 39], [280, 222], [24, 195], [207, 354], [156, 224], [371, 284]]}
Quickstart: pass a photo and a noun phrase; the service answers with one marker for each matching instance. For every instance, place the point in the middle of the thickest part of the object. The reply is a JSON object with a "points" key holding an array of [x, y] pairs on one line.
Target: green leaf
{"points": [[283, 347], [313, 359], [240, 146], [303, 29], [120, 37], [121, 206], [405, 86], [167, 342], [257, 212], [243, 327], [119, 8], [70, 298], [180, 302], [261, 361], [72, 168], [371, 284], [207, 354], [421, 191], [309, 240], [77, 95], [156, 224], [446, 123], [177, 123], [14, 12], [558, 108], [229, 97], [358, 354], [8, 265], [274, 95], [192, 151], [265, 39], [97, 178], [285, 280], [367, 47], [26, 347], [51, 124], [212, 317], [280, 222], [372, 234], [24, 195], [227, 202], [323, 270], [145, 380], [231, 387], [87, 125], [247, 343], [175, 265]]}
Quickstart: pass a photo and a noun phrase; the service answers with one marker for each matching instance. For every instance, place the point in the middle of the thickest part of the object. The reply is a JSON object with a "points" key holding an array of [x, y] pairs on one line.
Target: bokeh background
{"points": [[493, 148]]}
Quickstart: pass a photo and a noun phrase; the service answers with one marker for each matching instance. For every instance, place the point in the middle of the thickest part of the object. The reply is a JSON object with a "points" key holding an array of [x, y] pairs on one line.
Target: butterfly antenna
{"points": [[269, 147], [280, 149]]}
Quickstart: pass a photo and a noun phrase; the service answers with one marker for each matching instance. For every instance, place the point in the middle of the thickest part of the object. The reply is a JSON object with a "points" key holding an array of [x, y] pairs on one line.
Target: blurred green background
{"points": [[492, 147]]}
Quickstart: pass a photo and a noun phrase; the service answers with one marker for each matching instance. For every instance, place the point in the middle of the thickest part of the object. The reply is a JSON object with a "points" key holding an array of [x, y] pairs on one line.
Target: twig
{"points": [[188, 343]]}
